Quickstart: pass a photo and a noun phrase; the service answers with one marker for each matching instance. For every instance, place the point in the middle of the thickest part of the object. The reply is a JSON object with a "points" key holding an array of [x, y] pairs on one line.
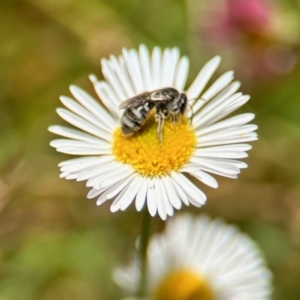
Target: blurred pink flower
{"points": [[248, 15], [253, 31], [241, 18]]}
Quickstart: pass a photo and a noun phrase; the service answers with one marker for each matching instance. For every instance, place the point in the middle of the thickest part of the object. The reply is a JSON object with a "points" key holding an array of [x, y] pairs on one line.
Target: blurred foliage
{"points": [[55, 244]]}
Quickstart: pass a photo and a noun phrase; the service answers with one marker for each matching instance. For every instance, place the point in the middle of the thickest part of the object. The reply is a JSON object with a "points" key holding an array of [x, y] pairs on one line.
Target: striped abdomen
{"points": [[134, 117]]}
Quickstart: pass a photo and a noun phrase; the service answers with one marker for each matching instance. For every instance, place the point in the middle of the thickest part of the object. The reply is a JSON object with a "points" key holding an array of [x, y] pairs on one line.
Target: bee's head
{"points": [[178, 105]]}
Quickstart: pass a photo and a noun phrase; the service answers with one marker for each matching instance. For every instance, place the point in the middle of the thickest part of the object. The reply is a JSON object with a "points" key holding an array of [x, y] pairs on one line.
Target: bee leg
{"points": [[176, 120], [173, 120], [160, 119]]}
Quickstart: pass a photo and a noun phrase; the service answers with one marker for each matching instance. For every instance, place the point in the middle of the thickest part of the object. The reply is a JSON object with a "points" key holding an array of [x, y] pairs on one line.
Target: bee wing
{"points": [[135, 101], [161, 95]]}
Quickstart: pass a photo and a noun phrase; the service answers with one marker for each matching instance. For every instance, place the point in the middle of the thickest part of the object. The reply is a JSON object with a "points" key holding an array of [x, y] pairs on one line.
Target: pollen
{"points": [[184, 285], [150, 158]]}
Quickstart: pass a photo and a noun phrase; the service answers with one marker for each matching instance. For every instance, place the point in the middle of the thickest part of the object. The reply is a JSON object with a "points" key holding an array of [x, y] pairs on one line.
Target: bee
{"points": [[169, 103]]}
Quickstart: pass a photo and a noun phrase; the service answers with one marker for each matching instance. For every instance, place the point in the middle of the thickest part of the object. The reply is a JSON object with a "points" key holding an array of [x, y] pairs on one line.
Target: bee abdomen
{"points": [[134, 117], [128, 127]]}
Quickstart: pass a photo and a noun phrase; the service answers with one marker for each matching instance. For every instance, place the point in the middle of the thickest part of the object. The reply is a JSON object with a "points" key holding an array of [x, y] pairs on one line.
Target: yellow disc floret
{"points": [[184, 285], [148, 156]]}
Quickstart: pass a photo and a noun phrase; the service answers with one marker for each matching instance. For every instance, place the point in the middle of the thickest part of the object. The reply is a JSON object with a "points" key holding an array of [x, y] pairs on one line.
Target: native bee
{"points": [[169, 103]]}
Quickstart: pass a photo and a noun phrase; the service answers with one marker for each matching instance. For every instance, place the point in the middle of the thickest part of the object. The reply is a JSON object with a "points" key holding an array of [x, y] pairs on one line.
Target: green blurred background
{"points": [[56, 244]]}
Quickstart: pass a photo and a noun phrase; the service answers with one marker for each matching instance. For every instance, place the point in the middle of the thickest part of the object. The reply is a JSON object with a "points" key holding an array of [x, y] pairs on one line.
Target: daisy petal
{"points": [[173, 196], [202, 176], [161, 208], [196, 197], [166, 199], [151, 201], [92, 105], [108, 97], [156, 68], [141, 196], [217, 104], [133, 67], [145, 66], [122, 76], [181, 73], [82, 124], [112, 79], [201, 80], [129, 198], [231, 122], [73, 134]]}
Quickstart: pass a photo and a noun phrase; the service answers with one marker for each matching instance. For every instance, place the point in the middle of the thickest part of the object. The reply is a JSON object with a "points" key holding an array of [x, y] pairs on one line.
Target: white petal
{"points": [[240, 102], [93, 106], [74, 134], [122, 76], [220, 151], [161, 209], [67, 142], [217, 105], [180, 192], [80, 111], [231, 122], [69, 176], [141, 195], [82, 162], [108, 97], [216, 167], [82, 124], [96, 170], [165, 197], [202, 176], [83, 151], [229, 132], [130, 197], [132, 65], [151, 201], [181, 73], [104, 197], [173, 196], [95, 192], [196, 197], [72, 147], [237, 163], [201, 80], [114, 178], [169, 63], [96, 180], [156, 68], [112, 79], [218, 85], [78, 161], [146, 68], [120, 186], [252, 136]]}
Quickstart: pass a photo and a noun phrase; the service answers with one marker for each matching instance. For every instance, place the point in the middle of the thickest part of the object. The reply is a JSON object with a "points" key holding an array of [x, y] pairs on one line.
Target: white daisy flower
{"points": [[139, 168], [200, 258]]}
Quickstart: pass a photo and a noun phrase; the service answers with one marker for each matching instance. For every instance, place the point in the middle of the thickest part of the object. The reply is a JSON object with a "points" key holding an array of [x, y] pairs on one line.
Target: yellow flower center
{"points": [[184, 285], [148, 156]]}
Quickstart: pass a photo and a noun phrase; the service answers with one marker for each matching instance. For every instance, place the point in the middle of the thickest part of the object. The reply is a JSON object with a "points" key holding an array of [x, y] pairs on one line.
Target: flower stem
{"points": [[143, 245]]}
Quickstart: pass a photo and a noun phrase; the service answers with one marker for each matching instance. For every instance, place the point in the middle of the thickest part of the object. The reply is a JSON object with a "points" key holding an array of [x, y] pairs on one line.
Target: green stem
{"points": [[145, 236]]}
